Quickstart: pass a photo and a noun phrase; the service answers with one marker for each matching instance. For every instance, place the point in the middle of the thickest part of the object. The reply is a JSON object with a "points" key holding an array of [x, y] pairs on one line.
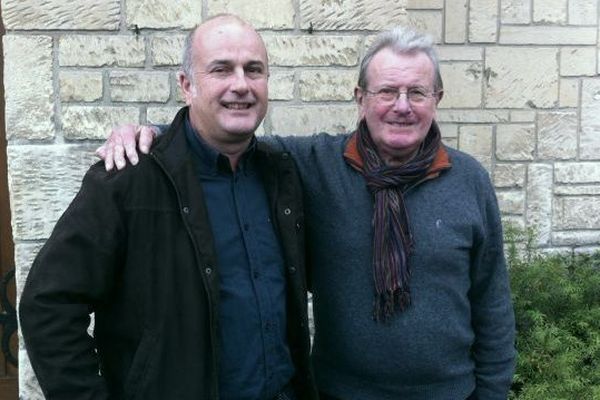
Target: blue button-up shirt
{"points": [[255, 361]]}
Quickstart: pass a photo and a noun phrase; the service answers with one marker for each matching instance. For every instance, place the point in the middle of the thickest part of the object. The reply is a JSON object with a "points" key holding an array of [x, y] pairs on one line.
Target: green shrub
{"points": [[557, 310]]}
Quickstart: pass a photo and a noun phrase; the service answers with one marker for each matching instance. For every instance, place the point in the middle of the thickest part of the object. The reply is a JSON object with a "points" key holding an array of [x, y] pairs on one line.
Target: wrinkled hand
{"points": [[122, 143]]}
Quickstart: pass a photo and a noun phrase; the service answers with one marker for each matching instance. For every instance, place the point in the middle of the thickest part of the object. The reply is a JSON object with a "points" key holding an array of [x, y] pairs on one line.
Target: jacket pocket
{"points": [[140, 367]]}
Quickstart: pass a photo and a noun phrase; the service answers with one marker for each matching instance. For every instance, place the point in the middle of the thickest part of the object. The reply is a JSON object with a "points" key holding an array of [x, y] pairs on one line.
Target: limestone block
{"points": [[281, 85], [179, 98], [569, 92], [522, 116], [462, 84], [577, 172], [287, 50], [60, 14], [167, 50], [261, 14], [425, 4], [515, 11], [539, 200], [548, 35], [43, 180], [513, 220], [575, 238], [577, 61], [515, 142], [80, 85], [25, 253], [161, 115], [577, 213], [101, 51], [455, 18], [83, 122], [160, 14], [589, 145], [557, 135], [472, 116], [294, 120], [579, 190], [511, 202], [519, 77], [509, 175], [426, 21], [351, 14], [550, 11], [451, 142], [586, 250], [483, 21], [556, 251], [449, 130], [583, 12], [327, 85], [460, 53], [151, 86], [28, 87], [476, 140], [29, 388]]}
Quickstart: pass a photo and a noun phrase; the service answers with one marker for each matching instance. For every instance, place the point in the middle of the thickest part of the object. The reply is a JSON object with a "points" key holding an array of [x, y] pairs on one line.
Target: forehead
{"points": [[228, 41], [398, 69]]}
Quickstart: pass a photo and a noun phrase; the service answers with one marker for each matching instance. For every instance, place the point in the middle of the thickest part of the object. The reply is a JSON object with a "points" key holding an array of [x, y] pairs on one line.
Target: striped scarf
{"points": [[392, 237]]}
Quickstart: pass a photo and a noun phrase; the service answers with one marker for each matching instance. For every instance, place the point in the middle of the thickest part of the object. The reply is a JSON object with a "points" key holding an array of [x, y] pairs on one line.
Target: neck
{"points": [[398, 160], [233, 151]]}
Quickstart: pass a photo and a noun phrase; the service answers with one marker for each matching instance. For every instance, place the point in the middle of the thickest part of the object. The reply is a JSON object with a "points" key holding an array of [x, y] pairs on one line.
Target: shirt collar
{"points": [[211, 160]]}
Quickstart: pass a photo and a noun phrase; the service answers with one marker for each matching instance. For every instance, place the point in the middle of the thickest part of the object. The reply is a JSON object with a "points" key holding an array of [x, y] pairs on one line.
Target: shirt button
{"points": [[287, 211], [285, 156], [186, 210], [292, 270], [208, 270]]}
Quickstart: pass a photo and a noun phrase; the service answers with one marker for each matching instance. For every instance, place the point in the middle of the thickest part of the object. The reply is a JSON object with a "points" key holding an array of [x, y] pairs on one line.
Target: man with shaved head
{"points": [[192, 263]]}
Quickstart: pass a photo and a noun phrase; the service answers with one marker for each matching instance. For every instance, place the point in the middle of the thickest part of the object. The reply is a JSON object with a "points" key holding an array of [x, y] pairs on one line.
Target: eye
{"points": [[255, 71], [387, 91], [220, 70], [417, 94]]}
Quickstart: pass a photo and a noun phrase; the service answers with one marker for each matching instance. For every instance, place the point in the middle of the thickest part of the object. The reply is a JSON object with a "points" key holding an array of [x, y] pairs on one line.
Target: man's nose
{"points": [[402, 104], [240, 82]]}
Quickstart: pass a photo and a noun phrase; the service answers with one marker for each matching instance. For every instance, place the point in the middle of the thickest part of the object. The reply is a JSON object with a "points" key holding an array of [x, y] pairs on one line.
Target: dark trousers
{"points": [[324, 396]]}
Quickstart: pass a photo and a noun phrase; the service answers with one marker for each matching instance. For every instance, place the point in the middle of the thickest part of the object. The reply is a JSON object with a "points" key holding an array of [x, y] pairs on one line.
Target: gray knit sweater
{"points": [[458, 334]]}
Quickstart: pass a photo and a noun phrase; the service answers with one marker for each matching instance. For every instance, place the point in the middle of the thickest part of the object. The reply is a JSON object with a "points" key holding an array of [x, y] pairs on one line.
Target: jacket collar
{"points": [[173, 149]]}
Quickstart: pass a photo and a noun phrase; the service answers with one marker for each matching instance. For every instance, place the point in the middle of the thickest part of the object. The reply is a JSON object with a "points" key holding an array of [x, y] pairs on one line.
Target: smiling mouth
{"points": [[237, 106], [397, 123]]}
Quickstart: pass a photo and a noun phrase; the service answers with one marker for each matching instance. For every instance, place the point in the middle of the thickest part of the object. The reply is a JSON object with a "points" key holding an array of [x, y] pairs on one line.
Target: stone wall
{"points": [[521, 76]]}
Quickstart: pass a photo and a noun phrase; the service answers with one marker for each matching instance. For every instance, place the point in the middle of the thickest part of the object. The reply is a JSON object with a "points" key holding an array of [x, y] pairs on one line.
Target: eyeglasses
{"points": [[389, 95]]}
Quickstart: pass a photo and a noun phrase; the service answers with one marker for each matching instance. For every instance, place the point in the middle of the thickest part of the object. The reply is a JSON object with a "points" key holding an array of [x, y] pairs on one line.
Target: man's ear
{"points": [[359, 97], [187, 89], [439, 97]]}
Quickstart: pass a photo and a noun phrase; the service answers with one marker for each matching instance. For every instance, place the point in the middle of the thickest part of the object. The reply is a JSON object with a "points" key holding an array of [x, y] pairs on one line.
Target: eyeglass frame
{"points": [[421, 91]]}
